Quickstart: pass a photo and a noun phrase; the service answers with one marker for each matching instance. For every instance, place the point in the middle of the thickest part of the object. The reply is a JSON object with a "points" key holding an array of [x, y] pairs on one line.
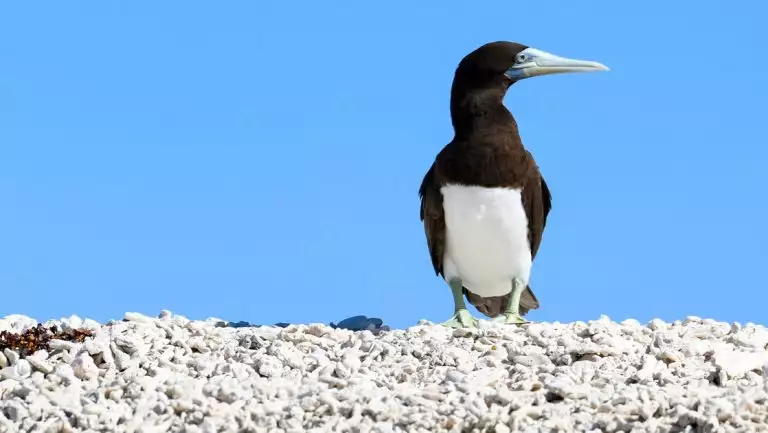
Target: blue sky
{"points": [[260, 161]]}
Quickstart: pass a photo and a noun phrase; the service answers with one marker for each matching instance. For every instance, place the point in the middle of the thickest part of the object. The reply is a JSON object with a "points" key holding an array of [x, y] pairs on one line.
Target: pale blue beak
{"points": [[533, 63]]}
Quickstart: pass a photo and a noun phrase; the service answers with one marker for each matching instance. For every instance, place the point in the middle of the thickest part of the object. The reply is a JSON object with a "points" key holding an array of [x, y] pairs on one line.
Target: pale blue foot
{"points": [[462, 319], [510, 319], [511, 315]]}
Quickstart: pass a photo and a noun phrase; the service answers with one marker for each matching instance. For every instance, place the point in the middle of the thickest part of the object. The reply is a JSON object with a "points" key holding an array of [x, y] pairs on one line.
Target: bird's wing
{"points": [[433, 217], [537, 202]]}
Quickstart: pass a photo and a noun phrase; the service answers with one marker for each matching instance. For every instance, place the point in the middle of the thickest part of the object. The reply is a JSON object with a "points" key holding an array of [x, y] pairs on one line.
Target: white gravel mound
{"points": [[170, 374]]}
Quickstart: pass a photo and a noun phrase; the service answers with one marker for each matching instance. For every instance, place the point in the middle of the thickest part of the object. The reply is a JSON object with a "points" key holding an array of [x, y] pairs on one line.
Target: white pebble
{"points": [[38, 360], [138, 317], [11, 356], [18, 371], [84, 367]]}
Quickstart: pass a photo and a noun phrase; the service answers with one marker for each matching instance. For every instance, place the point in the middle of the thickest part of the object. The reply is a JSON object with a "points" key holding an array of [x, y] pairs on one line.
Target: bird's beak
{"points": [[533, 63]]}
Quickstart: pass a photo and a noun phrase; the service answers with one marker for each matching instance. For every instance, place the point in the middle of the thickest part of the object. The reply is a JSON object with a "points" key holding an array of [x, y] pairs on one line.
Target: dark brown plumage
{"points": [[486, 151]]}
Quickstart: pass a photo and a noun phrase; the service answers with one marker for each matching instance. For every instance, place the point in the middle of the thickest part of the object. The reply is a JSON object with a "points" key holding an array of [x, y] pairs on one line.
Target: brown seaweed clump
{"points": [[38, 337]]}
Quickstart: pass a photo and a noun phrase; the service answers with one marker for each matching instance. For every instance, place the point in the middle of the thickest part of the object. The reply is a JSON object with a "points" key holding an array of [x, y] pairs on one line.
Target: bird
{"points": [[484, 202]]}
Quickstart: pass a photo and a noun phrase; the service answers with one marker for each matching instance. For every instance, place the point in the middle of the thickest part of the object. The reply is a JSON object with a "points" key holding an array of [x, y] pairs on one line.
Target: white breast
{"points": [[486, 238]]}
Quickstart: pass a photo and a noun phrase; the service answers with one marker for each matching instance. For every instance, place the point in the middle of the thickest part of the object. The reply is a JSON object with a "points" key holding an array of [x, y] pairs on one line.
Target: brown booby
{"points": [[484, 203]]}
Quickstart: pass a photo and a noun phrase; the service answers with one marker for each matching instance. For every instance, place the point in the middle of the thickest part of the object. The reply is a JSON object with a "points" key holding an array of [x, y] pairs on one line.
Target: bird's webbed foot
{"points": [[510, 319], [461, 319], [511, 316]]}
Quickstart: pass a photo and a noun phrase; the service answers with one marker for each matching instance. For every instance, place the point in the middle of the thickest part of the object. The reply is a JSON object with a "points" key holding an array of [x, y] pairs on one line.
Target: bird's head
{"points": [[504, 63]]}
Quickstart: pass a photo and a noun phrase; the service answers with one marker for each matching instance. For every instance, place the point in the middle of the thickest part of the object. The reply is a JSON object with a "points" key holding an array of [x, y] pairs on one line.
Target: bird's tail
{"points": [[495, 305]]}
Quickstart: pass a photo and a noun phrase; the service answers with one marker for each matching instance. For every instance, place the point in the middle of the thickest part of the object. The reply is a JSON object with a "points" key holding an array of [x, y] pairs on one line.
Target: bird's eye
{"points": [[521, 58]]}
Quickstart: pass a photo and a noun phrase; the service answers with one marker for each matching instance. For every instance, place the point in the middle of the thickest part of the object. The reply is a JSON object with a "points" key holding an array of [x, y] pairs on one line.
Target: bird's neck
{"points": [[478, 109]]}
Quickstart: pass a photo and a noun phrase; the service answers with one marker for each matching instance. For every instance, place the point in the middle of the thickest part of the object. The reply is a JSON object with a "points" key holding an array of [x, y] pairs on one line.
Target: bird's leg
{"points": [[461, 317], [512, 314]]}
